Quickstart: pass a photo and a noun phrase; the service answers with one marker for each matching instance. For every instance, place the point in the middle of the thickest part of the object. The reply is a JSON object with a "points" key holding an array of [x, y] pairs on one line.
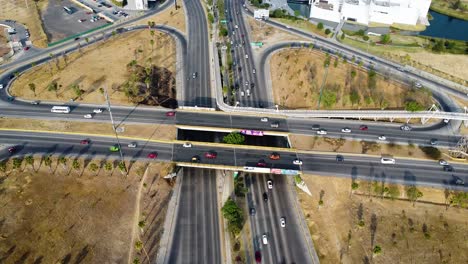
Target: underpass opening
{"points": [[217, 137]]}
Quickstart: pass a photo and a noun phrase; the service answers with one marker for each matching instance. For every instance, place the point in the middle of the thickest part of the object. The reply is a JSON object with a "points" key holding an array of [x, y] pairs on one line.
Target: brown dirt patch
{"points": [[316, 143], [4, 47], [399, 225], [28, 16], [170, 17], [298, 74], [88, 71], [147, 131], [63, 215], [262, 32], [302, 24]]}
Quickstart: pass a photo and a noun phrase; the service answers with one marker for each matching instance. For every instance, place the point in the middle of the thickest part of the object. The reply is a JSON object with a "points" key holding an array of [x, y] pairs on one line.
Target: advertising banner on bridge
{"points": [[276, 171], [257, 169], [252, 133]]}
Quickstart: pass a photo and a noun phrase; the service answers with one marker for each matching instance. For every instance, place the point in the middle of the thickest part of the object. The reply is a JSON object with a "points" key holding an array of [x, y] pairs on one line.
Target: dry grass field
{"points": [[4, 47], [101, 65], [58, 214], [170, 17], [298, 77], [426, 232], [27, 13], [146, 131], [261, 32]]}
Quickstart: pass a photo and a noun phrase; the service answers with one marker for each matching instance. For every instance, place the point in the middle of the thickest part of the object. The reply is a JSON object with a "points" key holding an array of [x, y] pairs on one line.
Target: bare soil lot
{"points": [[4, 48], [146, 131], [348, 226], [132, 66], [58, 214], [27, 13], [170, 17], [300, 80], [261, 32]]}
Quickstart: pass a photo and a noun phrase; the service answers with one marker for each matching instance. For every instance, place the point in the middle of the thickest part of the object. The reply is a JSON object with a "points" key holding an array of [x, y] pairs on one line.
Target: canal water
{"points": [[443, 26]]}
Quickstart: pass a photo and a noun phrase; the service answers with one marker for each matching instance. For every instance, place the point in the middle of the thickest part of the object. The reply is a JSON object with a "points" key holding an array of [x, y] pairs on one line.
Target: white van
{"points": [[242, 93], [265, 239], [60, 109], [387, 160], [248, 92]]}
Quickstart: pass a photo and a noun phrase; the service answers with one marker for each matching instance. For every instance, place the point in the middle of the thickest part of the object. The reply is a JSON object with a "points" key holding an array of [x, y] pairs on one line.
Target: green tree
{"points": [[385, 39], [353, 73], [459, 199], [48, 161], [393, 192], [53, 87], [335, 63], [108, 166], [354, 185], [327, 31], [431, 152], [328, 98], [17, 163], [377, 250], [413, 193], [141, 224], [223, 32], [63, 161], [354, 97], [76, 164], [343, 36], [365, 38], [439, 46], [93, 167], [122, 167], [147, 82], [32, 87], [234, 138], [136, 261], [29, 160], [234, 215], [3, 166], [152, 45], [413, 106], [320, 26]]}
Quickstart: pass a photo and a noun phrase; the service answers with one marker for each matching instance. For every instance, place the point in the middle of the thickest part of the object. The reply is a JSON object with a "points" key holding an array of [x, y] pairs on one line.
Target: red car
{"points": [[85, 142], [152, 155], [210, 155], [258, 256], [363, 127], [275, 156], [261, 163], [171, 113], [26, 48], [11, 149]]}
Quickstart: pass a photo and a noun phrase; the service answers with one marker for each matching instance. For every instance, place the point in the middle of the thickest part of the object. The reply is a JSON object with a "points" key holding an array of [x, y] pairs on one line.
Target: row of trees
{"points": [[234, 216], [76, 164]]}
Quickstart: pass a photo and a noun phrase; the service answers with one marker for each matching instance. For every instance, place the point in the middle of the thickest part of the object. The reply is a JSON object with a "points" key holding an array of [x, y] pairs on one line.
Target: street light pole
{"points": [[114, 128]]}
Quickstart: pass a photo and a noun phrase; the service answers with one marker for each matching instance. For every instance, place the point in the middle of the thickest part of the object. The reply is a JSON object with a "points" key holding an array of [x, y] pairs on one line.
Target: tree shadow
{"points": [[66, 259], [82, 255], [7, 254], [38, 260], [23, 258]]}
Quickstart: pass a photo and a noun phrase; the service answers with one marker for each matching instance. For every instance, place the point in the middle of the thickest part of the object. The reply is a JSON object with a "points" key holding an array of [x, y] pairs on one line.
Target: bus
{"points": [[60, 109], [68, 10]]}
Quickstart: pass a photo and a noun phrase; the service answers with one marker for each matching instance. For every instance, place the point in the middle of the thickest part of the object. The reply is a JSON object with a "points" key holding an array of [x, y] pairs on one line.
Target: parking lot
{"points": [[58, 24]]}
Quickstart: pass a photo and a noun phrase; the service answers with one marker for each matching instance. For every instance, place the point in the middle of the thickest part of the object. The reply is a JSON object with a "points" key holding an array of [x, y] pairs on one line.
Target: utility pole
{"points": [[114, 128]]}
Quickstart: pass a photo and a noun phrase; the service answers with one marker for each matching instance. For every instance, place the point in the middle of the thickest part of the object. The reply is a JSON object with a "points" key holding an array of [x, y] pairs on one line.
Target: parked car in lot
{"points": [[210, 155], [275, 156], [152, 155]]}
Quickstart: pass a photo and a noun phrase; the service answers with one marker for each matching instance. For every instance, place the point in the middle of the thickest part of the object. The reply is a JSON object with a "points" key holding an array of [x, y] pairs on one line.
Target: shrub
{"points": [[320, 26], [327, 31], [431, 152], [234, 138], [377, 249], [366, 38]]}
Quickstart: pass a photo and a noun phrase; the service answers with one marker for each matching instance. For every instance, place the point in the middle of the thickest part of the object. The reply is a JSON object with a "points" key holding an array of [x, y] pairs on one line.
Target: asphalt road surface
{"points": [[196, 237], [405, 171], [285, 244]]}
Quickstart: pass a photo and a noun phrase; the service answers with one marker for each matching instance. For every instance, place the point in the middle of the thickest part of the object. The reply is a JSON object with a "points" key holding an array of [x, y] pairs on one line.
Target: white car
{"points": [[297, 162], [264, 119], [236, 26], [187, 145], [265, 239], [446, 121], [1, 86], [88, 116], [346, 130], [97, 110], [418, 85], [246, 56], [385, 160], [270, 184], [443, 162], [283, 222], [132, 145], [321, 132], [382, 137]]}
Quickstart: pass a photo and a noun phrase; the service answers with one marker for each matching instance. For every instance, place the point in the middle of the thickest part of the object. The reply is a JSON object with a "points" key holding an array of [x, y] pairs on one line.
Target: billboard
{"points": [[256, 133]]}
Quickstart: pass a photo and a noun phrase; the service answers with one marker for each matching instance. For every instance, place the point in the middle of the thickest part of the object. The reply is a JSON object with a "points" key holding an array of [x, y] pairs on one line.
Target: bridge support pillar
{"points": [[391, 119], [408, 119], [424, 120]]}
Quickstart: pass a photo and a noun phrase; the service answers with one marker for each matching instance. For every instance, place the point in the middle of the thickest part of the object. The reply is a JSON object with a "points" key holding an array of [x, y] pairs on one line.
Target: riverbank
{"points": [[446, 7]]}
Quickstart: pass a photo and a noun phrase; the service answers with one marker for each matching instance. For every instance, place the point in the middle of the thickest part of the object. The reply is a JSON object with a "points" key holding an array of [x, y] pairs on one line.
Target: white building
{"points": [[409, 12], [262, 14]]}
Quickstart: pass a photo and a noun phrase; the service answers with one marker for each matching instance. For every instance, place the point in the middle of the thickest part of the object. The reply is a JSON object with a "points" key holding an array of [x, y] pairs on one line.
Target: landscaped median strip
{"points": [[222, 145]]}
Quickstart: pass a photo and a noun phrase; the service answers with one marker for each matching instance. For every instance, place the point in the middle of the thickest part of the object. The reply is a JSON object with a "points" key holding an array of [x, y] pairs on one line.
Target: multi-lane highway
{"points": [[285, 244], [196, 238], [405, 171]]}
